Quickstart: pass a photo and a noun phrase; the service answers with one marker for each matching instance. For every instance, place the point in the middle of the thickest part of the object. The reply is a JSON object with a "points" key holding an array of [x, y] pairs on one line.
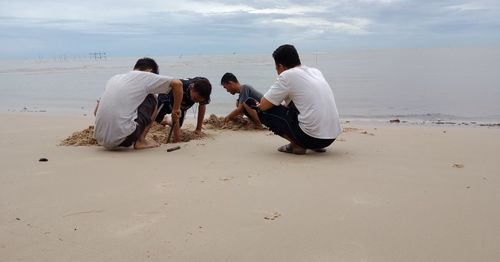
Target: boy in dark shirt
{"points": [[196, 90], [232, 86]]}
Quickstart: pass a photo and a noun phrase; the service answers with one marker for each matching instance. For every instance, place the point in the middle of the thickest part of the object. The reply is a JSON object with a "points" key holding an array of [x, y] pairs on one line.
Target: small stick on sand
{"points": [[173, 149]]}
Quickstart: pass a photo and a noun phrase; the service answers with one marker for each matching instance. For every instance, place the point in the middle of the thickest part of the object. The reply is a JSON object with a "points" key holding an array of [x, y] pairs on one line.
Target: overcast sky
{"points": [[31, 28]]}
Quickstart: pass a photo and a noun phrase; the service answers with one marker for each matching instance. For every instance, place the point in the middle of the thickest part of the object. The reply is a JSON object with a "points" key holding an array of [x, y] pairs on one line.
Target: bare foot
{"points": [[145, 144]]}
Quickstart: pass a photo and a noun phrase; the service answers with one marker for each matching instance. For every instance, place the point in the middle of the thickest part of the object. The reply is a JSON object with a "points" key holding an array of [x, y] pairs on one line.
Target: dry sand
{"points": [[405, 193], [158, 133], [239, 123]]}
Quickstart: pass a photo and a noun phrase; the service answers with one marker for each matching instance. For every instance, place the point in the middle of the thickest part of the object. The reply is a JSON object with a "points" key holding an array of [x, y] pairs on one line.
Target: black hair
{"points": [[146, 63], [228, 77], [287, 56], [203, 88]]}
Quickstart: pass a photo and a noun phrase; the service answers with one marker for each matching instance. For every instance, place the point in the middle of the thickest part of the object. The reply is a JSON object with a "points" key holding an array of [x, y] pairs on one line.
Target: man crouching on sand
{"points": [[128, 106], [309, 118], [232, 86]]}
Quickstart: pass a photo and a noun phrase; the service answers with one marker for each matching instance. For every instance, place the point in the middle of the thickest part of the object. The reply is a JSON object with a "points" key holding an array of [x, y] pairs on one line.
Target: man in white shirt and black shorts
{"points": [[128, 106], [299, 106]]}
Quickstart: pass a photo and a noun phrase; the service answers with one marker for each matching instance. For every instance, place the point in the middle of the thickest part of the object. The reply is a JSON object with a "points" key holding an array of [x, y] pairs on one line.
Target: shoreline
{"points": [[394, 121]]}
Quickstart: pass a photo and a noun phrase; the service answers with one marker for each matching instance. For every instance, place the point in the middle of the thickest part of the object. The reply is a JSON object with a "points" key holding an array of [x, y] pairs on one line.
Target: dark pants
{"points": [[144, 119], [283, 121]]}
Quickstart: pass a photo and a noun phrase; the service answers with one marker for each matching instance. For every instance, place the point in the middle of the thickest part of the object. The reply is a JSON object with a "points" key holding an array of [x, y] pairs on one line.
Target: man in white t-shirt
{"points": [[128, 106], [300, 106]]}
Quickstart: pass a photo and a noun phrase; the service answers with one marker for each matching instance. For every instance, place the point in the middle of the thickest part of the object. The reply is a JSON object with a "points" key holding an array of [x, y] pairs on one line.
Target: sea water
{"points": [[414, 84]]}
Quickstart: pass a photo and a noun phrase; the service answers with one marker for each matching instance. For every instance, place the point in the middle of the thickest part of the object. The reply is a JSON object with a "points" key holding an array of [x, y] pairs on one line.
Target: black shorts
{"points": [[283, 121], [144, 119]]}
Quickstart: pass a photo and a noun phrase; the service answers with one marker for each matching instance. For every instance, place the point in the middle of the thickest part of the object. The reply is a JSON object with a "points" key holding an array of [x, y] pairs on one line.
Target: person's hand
{"points": [[176, 115]]}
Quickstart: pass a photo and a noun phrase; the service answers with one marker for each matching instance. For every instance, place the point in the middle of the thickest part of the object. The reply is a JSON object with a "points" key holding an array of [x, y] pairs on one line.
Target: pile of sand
{"points": [[157, 133], [81, 138], [239, 123]]}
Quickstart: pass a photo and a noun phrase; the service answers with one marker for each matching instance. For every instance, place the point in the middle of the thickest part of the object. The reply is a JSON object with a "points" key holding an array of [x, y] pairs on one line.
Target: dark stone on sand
{"points": [[490, 125], [395, 121], [439, 122], [18, 219], [43, 159]]}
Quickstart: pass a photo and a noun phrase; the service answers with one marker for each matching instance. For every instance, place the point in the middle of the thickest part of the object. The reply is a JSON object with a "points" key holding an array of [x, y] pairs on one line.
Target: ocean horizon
{"points": [[447, 84]]}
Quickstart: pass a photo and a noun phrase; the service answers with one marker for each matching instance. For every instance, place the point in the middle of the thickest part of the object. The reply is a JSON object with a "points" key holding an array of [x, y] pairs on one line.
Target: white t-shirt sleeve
{"points": [[159, 84], [278, 92]]}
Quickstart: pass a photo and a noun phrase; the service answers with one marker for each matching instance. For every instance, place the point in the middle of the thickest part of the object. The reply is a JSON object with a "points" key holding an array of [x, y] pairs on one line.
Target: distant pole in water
{"points": [[98, 55]]}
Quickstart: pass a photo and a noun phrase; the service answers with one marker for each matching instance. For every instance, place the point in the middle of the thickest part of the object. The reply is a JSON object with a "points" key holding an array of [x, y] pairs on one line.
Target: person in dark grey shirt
{"points": [[232, 86]]}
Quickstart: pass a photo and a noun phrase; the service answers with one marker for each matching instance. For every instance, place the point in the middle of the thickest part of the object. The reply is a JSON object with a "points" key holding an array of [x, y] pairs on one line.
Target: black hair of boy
{"points": [[228, 77], [203, 88], [287, 56], [146, 63]]}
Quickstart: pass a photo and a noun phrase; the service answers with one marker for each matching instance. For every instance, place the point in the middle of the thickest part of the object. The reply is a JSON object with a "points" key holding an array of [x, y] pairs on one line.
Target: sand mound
{"points": [[157, 133], [81, 138], [239, 123]]}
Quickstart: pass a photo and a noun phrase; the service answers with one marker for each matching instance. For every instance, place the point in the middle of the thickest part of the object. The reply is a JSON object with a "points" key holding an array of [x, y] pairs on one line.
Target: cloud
{"points": [[381, 1], [220, 25], [353, 25], [467, 7], [344, 25], [305, 22]]}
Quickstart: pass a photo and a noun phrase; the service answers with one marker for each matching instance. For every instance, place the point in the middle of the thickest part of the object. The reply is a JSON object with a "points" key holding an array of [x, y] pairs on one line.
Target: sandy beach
{"points": [[382, 192]]}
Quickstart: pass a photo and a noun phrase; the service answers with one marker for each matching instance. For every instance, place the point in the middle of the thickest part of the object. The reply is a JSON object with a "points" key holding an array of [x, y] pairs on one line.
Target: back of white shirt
{"points": [[312, 96], [115, 119]]}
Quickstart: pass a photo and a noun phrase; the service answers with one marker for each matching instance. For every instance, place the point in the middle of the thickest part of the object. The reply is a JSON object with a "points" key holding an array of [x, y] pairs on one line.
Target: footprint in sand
{"points": [[229, 178], [366, 133], [350, 129], [458, 166], [273, 216]]}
